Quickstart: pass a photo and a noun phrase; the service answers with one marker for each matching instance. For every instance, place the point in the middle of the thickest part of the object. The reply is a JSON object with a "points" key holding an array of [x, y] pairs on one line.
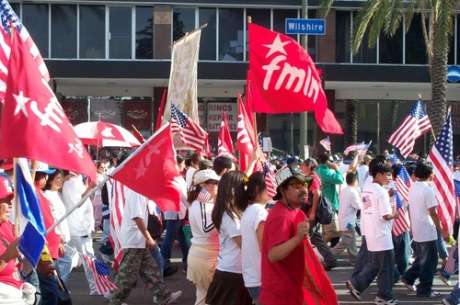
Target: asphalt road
{"points": [[339, 275]]}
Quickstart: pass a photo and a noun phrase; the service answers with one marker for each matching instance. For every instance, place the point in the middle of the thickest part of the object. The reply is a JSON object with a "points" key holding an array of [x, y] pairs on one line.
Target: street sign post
{"points": [[305, 26]]}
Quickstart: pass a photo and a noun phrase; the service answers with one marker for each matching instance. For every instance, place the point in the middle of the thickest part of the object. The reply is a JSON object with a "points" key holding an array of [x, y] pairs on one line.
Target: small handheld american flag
{"points": [[403, 183], [413, 126], [190, 132], [100, 273], [270, 181]]}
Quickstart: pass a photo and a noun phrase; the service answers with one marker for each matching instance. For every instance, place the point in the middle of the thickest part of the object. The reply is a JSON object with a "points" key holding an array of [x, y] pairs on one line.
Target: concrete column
{"points": [[162, 35]]}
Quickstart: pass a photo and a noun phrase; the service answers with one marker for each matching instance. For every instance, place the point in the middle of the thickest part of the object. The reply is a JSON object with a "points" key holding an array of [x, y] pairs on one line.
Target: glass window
{"points": [[364, 53], [259, 17], [279, 17], [451, 55], [342, 36], [208, 34], [415, 44], [458, 39], [92, 31], [231, 34], [120, 32], [144, 32], [16, 8], [183, 21], [63, 31], [391, 48], [35, 18]]}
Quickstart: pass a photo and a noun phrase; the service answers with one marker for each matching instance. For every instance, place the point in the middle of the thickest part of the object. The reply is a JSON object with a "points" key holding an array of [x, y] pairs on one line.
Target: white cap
{"points": [[204, 175], [44, 168]]}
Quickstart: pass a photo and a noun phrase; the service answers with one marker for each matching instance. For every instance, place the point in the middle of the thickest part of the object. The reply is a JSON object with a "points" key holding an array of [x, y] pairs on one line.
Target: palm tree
{"points": [[385, 16]]}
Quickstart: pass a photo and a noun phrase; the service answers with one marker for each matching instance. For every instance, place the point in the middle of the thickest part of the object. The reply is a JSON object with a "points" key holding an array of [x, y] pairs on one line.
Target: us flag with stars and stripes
{"points": [[442, 158], [413, 126], [403, 183], [100, 274], [270, 181], [11, 22], [190, 132]]}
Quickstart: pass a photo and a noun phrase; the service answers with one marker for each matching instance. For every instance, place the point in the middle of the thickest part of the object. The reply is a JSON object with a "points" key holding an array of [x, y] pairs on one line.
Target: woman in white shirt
{"points": [[202, 256], [227, 286], [58, 210], [252, 230]]}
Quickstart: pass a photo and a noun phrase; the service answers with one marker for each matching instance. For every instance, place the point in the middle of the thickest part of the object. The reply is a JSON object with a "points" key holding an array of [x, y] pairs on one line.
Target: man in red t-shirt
{"points": [[308, 169], [291, 273]]}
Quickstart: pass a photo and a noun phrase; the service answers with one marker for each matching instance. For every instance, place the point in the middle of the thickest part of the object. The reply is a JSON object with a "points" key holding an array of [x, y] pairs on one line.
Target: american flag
{"points": [[100, 273], [442, 158], [400, 224], [270, 181], [361, 148], [326, 143], [413, 126], [10, 22], [403, 183], [190, 132]]}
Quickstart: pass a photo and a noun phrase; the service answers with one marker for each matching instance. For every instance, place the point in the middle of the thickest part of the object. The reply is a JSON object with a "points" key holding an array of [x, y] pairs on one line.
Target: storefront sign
{"points": [[214, 117]]}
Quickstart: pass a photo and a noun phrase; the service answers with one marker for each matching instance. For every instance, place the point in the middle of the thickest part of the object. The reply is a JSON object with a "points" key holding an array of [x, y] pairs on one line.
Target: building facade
{"points": [[110, 59]]}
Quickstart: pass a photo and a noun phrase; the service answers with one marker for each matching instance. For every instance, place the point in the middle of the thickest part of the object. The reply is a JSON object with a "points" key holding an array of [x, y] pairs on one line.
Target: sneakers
{"points": [[171, 298], [444, 279], [409, 287], [446, 302], [354, 293], [380, 301]]}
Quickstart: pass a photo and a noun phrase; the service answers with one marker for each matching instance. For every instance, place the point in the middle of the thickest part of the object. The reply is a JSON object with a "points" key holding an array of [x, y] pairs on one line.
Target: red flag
{"points": [[245, 140], [151, 170], [283, 78], [225, 143], [161, 109], [33, 123]]}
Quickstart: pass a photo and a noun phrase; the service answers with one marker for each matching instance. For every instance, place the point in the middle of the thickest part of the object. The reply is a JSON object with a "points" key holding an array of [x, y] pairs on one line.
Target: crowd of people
{"points": [[239, 243]]}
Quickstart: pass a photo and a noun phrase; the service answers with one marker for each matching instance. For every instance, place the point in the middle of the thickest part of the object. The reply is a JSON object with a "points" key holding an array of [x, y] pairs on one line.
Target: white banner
{"points": [[182, 88]]}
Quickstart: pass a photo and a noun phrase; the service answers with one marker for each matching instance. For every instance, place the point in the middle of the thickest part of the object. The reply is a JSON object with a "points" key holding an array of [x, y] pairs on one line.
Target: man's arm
{"points": [[434, 216], [280, 251], [141, 226], [332, 176]]}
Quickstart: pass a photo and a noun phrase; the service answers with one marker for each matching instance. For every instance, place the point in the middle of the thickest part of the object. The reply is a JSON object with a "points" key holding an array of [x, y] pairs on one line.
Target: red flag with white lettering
{"points": [[33, 123], [151, 170], [283, 78], [245, 139]]}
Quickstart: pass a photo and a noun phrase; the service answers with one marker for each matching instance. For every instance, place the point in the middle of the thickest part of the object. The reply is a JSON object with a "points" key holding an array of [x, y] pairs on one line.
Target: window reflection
{"points": [[120, 32], [35, 18], [231, 34], [64, 31], [343, 36], [391, 48], [92, 31], [144, 32], [208, 34], [183, 21]]}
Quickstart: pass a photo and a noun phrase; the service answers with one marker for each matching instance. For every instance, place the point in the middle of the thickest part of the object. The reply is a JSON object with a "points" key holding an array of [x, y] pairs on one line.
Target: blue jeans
{"points": [[49, 290], [381, 264], [402, 251], [156, 253], [361, 259], [424, 267], [454, 296], [173, 232], [254, 292], [441, 247]]}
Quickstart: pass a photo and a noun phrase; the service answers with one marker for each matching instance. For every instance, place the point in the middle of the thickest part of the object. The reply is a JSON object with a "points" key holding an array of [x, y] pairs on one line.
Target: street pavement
{"points": [[141, 296]]}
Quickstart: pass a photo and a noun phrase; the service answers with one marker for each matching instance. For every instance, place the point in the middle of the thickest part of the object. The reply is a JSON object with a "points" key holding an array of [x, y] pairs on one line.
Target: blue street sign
{"points": [[305, 26]]}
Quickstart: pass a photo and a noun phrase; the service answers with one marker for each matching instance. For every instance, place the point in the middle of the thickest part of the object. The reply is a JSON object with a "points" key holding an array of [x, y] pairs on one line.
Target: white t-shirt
{"points": [[350, 203], [376, 204], [421, 198], [229, 259], [81, 221], [58, 210], [136, 206], [250, 250], [203, 231]]}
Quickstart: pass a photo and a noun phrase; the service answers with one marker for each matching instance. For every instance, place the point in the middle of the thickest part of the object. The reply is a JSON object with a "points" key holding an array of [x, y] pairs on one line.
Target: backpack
{"points": [[324, 211]]}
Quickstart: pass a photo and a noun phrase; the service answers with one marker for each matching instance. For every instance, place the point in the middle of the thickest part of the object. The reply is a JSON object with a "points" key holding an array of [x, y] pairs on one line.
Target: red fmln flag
{"points": [[245, 140], [225, 143], [161, 109], [33, 123], [283, 78], [151, 170]]}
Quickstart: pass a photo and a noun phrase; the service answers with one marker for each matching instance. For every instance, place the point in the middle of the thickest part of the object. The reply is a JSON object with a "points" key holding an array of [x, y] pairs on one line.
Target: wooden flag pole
{"points": [[432, 131]]}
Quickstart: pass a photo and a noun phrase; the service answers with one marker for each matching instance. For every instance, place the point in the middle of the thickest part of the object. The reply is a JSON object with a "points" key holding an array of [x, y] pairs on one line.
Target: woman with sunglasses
{"points": [[227, 286], [202, 256]]}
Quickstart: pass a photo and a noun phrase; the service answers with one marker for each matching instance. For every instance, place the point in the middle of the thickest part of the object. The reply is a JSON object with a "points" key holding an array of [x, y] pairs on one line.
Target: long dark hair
{"points": [[193, 193], [51, 178], [230, 191], [255, 186]]}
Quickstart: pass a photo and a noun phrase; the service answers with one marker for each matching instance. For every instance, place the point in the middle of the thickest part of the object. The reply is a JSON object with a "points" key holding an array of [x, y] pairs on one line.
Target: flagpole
{"points": [[16, 199], [190, 33], [254, 117], [432, 131]]}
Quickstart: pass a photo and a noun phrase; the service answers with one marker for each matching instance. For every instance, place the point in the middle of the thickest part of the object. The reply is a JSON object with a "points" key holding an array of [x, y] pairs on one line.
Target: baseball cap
{"points": [[44, 168], [284, 175], [204, 175]]}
